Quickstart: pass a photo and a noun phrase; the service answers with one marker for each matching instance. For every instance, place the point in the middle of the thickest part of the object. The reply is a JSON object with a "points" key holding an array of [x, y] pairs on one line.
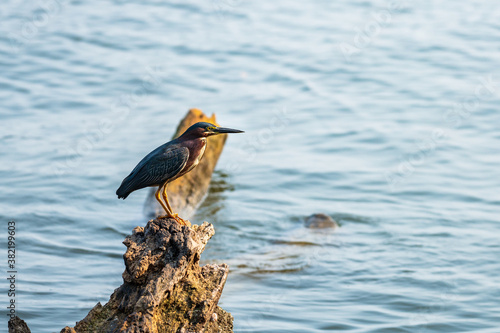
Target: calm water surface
{"points": [[383, 116]]}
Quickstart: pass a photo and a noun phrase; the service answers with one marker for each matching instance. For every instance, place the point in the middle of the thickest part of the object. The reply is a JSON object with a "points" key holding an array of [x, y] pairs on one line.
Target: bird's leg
{"points": [[157, 196], [166, 205], [166, 198], [174, 216]]}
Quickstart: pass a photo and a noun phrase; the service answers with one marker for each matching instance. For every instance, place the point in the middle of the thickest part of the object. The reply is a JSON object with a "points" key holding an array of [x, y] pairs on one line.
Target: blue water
{"points": [[383, 116]]}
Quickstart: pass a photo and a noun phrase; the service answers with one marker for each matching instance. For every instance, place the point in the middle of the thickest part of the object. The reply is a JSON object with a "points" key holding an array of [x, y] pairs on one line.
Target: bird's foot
{"points": [[181, 221], [177, 218]]}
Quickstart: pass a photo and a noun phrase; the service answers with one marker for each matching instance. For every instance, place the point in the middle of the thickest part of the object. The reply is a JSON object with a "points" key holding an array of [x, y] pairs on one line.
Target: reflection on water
{"points": [[214, 200]]}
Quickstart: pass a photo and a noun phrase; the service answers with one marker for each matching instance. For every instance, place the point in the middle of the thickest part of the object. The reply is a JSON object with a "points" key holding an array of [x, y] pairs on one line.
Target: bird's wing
{"points": [[163, 166], [154, 169]]}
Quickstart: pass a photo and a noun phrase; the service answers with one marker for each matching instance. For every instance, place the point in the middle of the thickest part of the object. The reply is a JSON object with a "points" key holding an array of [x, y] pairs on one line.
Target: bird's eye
{"points": [[210, 128]]}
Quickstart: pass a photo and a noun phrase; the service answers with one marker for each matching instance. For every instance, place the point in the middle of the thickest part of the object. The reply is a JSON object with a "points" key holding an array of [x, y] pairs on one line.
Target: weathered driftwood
{"points": [[185, 193], [164, 288]]}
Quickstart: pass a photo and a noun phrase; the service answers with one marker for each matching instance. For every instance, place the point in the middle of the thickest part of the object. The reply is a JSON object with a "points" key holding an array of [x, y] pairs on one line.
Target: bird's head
{"points": [[203, 129]]}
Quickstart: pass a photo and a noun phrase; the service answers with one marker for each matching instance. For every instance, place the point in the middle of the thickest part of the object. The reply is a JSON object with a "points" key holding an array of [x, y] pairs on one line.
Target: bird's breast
{"points": [[204, 146], [196, 152]]}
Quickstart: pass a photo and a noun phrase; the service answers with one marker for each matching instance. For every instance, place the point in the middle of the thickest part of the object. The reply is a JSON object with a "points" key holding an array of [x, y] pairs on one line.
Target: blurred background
{"points": [[383, 115]]}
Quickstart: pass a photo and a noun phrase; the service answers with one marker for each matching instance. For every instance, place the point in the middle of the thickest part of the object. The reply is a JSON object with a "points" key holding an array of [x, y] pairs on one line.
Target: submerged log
{"points": [[164, 288], [185, 193]]}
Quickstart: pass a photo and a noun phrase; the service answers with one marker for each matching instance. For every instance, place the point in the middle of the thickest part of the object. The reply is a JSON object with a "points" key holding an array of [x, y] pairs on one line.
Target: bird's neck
{"points": [[196, 141]]}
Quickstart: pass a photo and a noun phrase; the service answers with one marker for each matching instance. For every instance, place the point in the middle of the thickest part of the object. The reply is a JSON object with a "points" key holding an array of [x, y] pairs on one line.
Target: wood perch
{"points": [[164, 288]]}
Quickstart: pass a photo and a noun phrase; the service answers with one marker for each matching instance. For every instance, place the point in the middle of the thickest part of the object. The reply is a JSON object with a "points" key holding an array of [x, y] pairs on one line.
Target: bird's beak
{"points": [[226, 130]]}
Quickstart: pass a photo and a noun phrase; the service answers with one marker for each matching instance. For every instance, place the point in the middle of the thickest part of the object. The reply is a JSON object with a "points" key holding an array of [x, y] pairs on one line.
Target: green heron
{"points": [[169, 162]]}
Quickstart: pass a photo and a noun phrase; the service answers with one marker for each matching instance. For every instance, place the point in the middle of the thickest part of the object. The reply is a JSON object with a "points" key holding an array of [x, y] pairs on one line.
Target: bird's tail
{"points": [[124, 190], [121, 193]]}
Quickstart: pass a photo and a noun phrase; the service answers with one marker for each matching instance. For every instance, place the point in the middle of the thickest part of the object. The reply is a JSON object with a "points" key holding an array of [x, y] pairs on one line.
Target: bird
{"points": [[169, 162]]}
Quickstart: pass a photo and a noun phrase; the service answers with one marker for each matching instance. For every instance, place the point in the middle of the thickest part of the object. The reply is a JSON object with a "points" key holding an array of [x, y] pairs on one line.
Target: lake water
{"points": [[383, 116]]}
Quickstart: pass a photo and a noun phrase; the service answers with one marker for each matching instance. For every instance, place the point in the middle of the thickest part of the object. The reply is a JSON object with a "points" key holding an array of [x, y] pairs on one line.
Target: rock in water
{"points": [[320, 221], [164, 289], [17, 325]]}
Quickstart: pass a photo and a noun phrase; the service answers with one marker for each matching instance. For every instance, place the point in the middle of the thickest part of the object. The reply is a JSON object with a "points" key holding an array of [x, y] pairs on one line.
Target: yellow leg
{"points": [[166, 198], [174, 216], [157, 196]]}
